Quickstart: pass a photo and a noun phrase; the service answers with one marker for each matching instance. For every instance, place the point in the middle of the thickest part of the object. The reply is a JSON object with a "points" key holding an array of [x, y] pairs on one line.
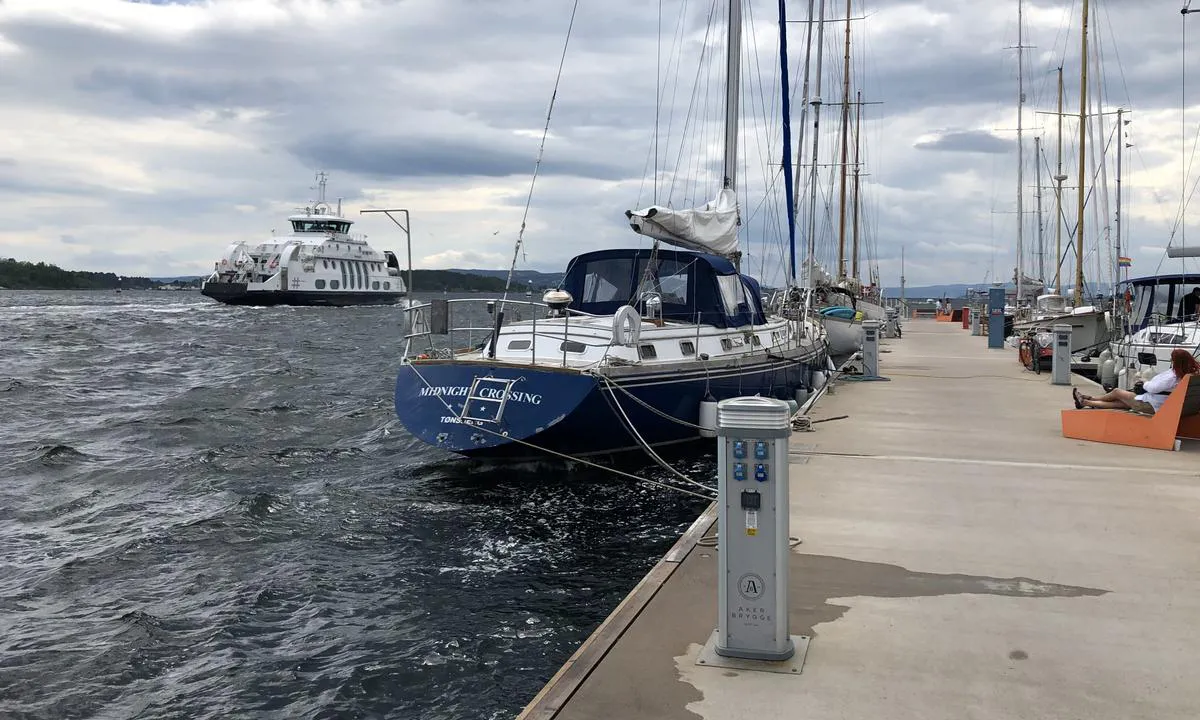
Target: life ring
{"points": [[627, 325]]}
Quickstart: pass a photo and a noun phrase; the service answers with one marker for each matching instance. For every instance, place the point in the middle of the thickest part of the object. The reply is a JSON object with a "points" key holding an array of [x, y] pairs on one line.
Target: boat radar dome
{"points": [[558, 300]]}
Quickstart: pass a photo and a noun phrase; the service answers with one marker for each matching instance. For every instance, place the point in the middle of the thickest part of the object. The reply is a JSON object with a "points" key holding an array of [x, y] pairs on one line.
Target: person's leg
{"points": [[1118, 399]]}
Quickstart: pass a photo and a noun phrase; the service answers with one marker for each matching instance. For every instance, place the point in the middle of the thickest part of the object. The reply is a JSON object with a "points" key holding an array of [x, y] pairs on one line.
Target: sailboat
{"points": [[631, 351], [1089, 323], [1155, 314]]}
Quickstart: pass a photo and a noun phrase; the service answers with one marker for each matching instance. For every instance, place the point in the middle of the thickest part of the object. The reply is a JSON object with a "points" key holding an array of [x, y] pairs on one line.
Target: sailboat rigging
{"points": [[626, 351]]}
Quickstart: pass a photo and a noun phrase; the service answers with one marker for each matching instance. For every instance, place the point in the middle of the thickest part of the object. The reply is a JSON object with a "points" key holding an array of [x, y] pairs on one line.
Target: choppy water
{"points": [[211, 512]]}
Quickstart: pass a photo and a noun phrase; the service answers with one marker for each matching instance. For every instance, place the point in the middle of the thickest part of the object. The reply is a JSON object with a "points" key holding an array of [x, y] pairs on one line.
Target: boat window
{"points": [[733, 293], [670, 280], [518, 345], [726, 344], [608, 280], [320, 284], [342, 265], [333, 284], [647, 352], [755, 341], [1161, 304], [387, 285], [326, 262], [572, 346], [687, 347], [375, 285]]}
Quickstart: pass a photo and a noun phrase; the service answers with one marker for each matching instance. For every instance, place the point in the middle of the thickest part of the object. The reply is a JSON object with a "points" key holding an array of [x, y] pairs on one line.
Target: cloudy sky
{"points": [[142, 137]]}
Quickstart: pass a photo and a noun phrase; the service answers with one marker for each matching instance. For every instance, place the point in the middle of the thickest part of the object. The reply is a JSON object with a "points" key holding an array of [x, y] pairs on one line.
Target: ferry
{"points": [[319, 263]]}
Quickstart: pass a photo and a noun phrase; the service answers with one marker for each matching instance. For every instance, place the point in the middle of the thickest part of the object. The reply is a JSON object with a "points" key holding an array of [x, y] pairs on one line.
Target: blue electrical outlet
{"points": [[760, 450], [739, 471], [739, 448], [760, 472]]}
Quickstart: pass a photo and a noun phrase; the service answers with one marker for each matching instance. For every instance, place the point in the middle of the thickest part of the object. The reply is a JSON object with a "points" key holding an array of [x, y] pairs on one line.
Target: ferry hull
{"points": [[572, 412], [235, 293]]}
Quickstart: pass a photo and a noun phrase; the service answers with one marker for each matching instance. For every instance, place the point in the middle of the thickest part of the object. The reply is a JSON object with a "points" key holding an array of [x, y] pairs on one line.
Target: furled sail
{"points": [[712, 228]]}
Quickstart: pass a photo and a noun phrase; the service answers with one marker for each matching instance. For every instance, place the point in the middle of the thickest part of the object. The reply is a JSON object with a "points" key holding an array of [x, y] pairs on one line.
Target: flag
{"points": [[1124, 262]]}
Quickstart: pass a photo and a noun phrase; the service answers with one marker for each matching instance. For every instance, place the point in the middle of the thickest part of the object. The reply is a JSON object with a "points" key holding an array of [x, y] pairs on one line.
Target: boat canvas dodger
{"points": [[598, 373]]}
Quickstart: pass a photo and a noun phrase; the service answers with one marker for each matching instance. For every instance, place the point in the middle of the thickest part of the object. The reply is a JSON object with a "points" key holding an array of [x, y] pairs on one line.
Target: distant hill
{"points": [[453, 281], [20, 275], [521, 278]]}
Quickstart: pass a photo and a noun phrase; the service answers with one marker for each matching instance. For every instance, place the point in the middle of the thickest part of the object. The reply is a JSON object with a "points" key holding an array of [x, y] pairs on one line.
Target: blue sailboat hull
{"points": [[570, 411]]}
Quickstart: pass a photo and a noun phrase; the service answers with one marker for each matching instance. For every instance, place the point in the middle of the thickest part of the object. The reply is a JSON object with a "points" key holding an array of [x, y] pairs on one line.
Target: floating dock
{"points": [[958, 558]]}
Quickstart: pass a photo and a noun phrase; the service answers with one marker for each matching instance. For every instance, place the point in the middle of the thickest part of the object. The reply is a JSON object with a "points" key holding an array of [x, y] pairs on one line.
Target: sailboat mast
{"points": [[1041, 245], [787, 141], [901, 275], [1058, 180], [1120, 152], [803, 105], [733, 76], [857, 172], [845, 137], [1020, 148], [1083, 68], [816, 105]]}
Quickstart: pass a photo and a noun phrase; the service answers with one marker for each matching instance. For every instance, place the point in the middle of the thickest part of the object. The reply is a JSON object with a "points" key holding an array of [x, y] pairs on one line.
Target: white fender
{"points": [[627, 325]]}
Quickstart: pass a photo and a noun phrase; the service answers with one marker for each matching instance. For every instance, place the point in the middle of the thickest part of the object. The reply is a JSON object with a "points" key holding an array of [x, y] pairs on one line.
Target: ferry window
{"points": [[342, 265], [572, 346], [647, 352], [320, 284], [608, 280], [333, 284], [326, 262], [387, 285], [375, 285], [518, 345], [687, 347]]}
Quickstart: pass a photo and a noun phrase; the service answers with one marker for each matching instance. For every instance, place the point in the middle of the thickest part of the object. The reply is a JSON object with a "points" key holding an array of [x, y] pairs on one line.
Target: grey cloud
{"points": [[969, 141], [183, 91], [400, 157]]}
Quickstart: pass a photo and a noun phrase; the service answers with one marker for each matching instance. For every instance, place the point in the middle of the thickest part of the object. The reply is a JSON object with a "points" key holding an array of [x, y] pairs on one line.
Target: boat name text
{"points": [[484, 393]]}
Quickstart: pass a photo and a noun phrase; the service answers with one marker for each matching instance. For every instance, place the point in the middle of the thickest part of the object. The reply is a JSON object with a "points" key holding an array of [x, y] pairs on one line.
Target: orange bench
{"points": [[1179, 417]]}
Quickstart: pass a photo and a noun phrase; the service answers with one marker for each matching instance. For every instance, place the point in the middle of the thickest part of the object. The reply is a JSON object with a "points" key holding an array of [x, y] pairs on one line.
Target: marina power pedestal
{"points": [[995, 317], [870, 348], [976, 325], [753, 519], [1060, 368]]}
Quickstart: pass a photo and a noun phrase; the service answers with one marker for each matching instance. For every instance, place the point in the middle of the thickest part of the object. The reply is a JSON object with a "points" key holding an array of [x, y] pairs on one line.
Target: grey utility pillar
{"points": [[1060, 370]]}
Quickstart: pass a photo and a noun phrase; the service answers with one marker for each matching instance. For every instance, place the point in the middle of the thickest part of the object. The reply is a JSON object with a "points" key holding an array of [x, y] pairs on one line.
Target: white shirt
{"points": [[1164, 382]]}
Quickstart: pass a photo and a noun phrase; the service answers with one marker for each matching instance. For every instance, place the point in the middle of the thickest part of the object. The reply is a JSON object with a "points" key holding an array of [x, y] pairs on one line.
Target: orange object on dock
{"points": [[1179, 417]]}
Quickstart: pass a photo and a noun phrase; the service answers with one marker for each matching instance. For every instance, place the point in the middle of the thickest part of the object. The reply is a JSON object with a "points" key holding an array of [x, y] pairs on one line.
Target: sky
{"points": [[143, 137]]}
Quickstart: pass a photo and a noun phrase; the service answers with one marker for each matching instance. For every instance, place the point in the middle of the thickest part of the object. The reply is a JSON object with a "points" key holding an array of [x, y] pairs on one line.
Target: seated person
{"points": [[1190, 304], [1151, 395]]}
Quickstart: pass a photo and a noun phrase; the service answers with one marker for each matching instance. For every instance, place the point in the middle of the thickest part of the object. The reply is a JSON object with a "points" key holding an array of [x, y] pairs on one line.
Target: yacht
{"points": [[318, 263]]}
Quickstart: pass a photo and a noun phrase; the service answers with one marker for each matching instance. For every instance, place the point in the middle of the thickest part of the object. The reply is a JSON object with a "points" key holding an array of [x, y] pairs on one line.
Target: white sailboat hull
{"points": [[1089, 329], [845, 336]]}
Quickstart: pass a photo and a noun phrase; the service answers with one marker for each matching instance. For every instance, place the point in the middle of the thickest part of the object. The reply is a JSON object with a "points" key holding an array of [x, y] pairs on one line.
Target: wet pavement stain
{"points": [[814, 579]]}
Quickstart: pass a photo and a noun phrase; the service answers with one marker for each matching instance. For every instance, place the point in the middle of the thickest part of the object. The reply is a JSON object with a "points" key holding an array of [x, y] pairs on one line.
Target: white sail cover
{"points": [[711, 229], [1183, 252]]}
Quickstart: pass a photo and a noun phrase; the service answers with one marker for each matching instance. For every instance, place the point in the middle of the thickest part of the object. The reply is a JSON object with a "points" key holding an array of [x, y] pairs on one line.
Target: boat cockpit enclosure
{"points": [[1156, 299], [674, 285]]}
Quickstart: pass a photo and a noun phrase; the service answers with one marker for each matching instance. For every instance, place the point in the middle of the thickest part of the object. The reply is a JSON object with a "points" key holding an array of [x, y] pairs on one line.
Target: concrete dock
{"points": [[959, 558]]}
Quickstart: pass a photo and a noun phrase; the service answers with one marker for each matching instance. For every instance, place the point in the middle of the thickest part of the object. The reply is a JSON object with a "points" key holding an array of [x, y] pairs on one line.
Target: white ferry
{"points": [[319, 263]]}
